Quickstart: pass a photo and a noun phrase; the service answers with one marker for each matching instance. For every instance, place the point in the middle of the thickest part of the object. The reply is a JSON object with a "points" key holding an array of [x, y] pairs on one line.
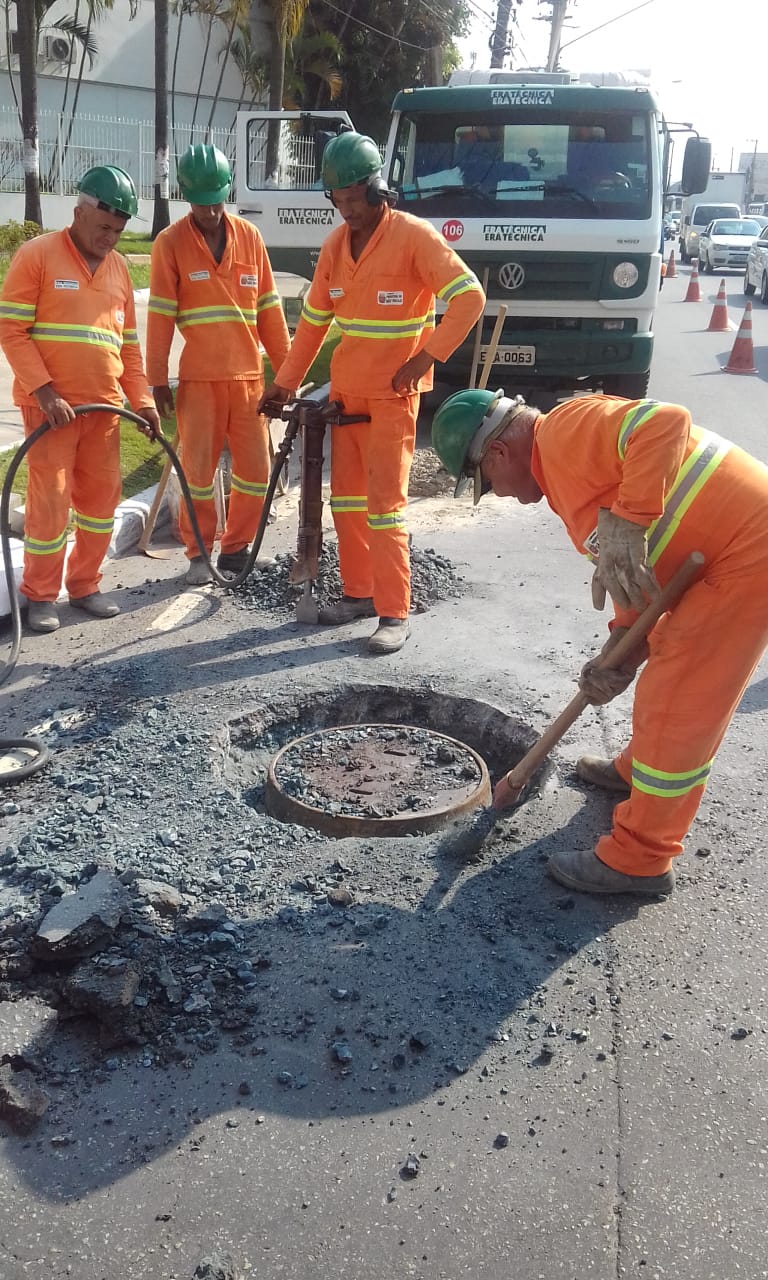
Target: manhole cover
{"points": [[375, 779]]}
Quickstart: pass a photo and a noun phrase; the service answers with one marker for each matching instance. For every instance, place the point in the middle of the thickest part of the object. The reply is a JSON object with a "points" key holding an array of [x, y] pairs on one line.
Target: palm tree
{"points": [[162, 215], [287, 18], [317, 57], [26, 26], [235, 19]]}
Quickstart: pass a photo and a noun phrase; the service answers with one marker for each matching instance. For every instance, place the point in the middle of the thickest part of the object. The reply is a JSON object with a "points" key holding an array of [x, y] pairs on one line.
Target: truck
{"points": [[724, 196], [551, 190]]}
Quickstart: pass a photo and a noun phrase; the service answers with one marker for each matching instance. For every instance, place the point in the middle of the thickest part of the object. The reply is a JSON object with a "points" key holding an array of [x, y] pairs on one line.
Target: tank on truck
{"points": [[556, 190]]}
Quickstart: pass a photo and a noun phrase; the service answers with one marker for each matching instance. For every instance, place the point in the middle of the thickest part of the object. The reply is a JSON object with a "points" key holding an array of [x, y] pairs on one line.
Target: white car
{"points": [[726, 242], [756, 270]]}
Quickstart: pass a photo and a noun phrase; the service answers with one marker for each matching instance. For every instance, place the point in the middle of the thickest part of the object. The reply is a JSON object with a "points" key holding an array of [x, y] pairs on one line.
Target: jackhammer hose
{"points": [[35, 744]]}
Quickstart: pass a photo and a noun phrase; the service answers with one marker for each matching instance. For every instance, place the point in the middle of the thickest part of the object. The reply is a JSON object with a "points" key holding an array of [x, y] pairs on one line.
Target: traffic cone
{"points": [[694, 292], [719, 321], [671, 267], [742, 359]]}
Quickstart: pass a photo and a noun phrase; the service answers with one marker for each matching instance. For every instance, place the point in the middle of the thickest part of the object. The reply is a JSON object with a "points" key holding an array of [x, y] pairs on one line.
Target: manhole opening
{"points": [[403, 751]]}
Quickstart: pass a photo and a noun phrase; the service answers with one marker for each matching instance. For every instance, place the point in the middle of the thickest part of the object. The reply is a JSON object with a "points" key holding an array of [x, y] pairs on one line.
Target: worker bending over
{"points": [[638, 487], [377, 276], [68, 330], [211, 276]]}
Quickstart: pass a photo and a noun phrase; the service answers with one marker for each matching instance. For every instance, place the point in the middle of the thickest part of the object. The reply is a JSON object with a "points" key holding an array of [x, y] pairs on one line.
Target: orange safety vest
{"points": [[62, 324], [384, 305], [225, 310]]}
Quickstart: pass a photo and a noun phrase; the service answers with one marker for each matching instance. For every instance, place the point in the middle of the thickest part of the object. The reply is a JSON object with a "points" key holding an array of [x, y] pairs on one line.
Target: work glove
{"points": [[599, 685], [622, 568]]}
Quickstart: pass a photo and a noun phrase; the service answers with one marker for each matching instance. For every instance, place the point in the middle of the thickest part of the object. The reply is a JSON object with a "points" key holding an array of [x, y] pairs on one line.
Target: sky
{"points": [[699, 58]]}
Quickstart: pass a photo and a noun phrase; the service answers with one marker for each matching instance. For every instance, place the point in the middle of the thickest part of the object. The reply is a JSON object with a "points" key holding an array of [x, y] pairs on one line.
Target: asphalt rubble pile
{"points": [[269, 589]]}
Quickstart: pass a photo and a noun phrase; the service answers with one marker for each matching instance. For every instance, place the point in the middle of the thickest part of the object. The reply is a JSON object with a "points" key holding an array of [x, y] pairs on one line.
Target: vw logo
{"points": [[511, 276]]}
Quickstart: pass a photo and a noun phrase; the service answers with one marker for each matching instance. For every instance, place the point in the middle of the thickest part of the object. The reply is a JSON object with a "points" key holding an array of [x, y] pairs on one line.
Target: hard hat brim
{"points": [[220, 196]]}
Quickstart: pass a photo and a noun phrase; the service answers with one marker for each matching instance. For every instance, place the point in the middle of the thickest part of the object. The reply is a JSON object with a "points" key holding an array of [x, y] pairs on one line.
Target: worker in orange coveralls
{"points": [[638, 487], [211, 276], [377, 276], [68, 330]]}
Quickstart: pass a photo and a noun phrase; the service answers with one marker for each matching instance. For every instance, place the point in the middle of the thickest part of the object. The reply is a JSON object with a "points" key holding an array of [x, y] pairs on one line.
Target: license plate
{"points": [[510, 355]]}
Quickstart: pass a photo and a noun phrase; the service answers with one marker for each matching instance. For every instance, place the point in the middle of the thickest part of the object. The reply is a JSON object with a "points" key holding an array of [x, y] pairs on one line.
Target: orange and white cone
{"points": [[742, 359], [719, 322], [671, 266], [694, 292]]}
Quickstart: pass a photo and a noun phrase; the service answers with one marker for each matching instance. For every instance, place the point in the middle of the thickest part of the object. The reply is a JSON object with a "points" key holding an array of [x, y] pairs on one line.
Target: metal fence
{"points": [[70, 146]]}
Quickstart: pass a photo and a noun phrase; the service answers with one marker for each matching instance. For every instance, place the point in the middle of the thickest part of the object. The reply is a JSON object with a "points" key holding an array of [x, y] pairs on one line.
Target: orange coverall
{"points": [[62, 324], [225, 310], [384, 305], [694, 491]]}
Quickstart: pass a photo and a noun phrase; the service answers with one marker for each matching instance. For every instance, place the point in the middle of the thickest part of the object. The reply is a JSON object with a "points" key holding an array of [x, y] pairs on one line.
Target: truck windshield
{"points": [[553, 164]]}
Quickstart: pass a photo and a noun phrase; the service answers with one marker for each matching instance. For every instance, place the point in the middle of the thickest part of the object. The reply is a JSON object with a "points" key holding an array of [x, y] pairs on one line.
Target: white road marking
{"points": [[178, 610]]}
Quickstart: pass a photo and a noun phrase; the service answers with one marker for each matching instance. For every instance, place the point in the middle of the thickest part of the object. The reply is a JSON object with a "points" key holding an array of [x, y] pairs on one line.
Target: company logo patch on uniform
{"points": [[249, 282], [592, 545], [120, 317], [199, 275], [335, 293], [66, 284], [390, 297]]}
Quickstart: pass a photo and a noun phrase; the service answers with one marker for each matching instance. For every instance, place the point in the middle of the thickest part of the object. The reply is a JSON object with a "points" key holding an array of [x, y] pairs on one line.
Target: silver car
{"points": [[756, 270], [726, 242]]}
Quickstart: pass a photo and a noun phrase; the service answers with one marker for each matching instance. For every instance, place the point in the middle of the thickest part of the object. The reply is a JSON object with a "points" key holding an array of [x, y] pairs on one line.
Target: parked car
{"points": [[759, 219], [756, 270], [726, 242]]}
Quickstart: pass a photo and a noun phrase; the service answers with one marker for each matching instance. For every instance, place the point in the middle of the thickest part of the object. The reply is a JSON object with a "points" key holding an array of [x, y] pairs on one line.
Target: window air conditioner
{"points": [[58, 48]]}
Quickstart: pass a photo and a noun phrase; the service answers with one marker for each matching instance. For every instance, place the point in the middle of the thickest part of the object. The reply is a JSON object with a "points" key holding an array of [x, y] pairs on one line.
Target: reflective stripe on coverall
{"points": [[225, 310], [60, 323], [384, 305], [694, 491]]}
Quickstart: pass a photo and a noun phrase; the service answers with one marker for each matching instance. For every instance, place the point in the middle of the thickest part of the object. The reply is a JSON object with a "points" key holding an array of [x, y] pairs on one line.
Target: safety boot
{"points": [[390, 635], [581, 869], [601, 773], [197, 573], [235, 561], [43, 615], [346, 610], [96, 604]]}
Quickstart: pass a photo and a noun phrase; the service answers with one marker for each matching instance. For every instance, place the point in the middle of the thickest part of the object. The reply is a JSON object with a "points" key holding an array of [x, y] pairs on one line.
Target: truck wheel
{"points": [[630, 386], [764, 290], [749, 288]]}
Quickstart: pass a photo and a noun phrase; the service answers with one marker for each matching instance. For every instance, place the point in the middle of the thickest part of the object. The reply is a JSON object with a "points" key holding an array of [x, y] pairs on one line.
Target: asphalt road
{"points": [[621, 1047]]}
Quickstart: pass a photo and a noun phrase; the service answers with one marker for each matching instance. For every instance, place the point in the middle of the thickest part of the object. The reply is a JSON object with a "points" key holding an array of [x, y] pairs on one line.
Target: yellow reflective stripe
{"points": [[690, 480], [37, 547], [215, 315], [266, 300], [358, 502], [464, 283], [94, 524], [410, 328], [658, 782], [17, 310], [387, 520], [313, 316], [163, 306], [201, 493], [248, 486], [130, 335], [634, 419], [80, 333]]}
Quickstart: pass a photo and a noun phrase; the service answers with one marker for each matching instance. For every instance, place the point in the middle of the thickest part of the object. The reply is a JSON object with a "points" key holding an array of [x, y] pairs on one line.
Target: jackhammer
{"points": [[311, 416]]}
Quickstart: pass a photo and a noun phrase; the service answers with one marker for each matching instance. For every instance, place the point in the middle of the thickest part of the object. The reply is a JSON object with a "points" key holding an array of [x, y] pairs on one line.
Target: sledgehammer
{"points": [[468, 840]]}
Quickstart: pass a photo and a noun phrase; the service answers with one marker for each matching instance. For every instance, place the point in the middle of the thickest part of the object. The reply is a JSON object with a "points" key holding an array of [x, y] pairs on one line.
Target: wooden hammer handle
{"points": [[669, 594]]}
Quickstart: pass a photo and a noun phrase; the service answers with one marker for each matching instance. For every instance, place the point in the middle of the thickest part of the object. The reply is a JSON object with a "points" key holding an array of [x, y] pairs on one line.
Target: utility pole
{"points": [[500, 34], [557, 18]]}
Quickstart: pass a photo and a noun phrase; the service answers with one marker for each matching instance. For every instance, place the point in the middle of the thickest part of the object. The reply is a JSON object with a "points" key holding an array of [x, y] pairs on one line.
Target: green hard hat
{"points": [[113, 188], [462, 427], [204, 174], [349, 158]]}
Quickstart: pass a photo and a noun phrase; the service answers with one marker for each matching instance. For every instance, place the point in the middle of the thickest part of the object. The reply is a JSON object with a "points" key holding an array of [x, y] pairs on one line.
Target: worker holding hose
{"points": [[68, 330], [639, 488], [377, 276], [211, 276]]}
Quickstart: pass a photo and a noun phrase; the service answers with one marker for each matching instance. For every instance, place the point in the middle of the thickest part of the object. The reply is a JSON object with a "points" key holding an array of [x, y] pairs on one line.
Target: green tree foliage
{"points": [[385, 47]]}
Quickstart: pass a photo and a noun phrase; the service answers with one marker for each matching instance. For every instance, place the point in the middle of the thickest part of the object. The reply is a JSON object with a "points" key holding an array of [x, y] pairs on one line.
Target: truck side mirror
{"points": [[697, 162]]}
